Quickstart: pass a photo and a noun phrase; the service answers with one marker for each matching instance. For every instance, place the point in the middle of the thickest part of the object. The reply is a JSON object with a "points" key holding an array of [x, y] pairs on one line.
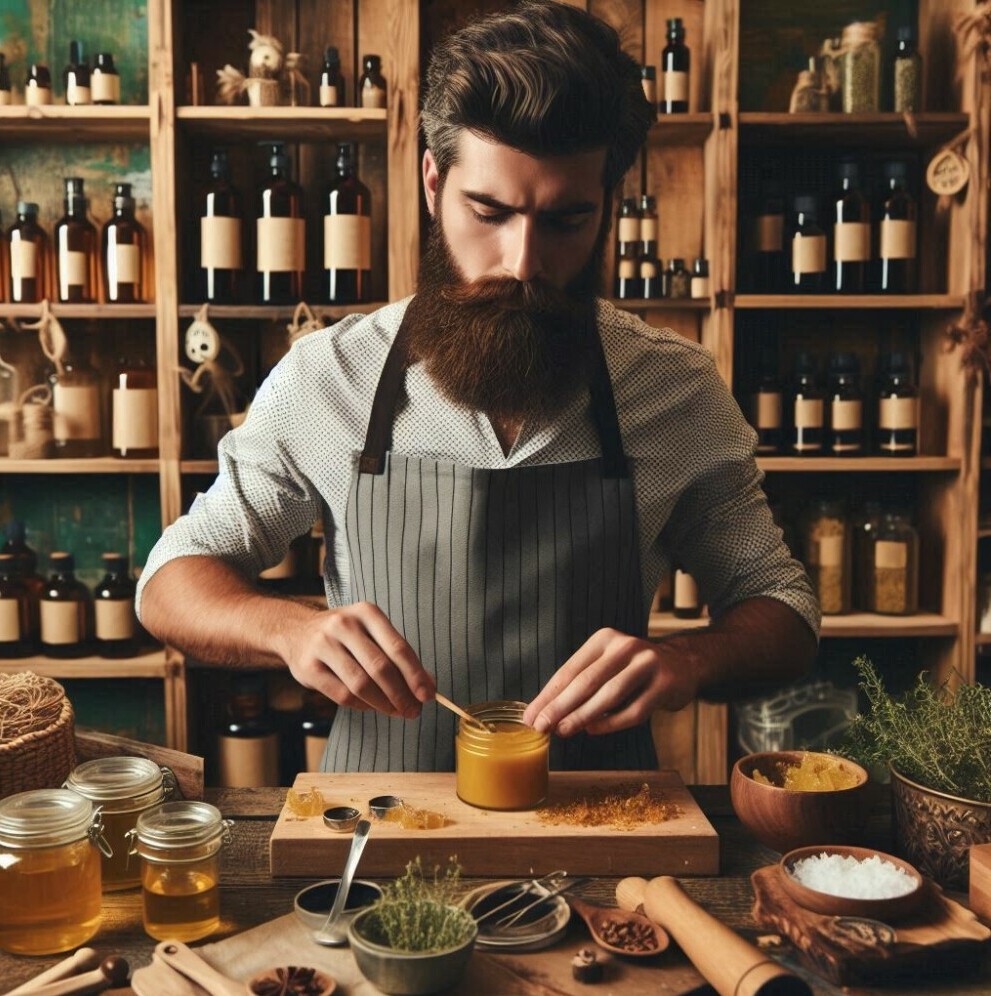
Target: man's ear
{"points": [[431, 177]]}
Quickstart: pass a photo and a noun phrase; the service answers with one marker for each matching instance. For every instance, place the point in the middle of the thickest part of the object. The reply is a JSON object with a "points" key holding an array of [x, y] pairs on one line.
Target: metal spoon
{"points": [[329, 933]]}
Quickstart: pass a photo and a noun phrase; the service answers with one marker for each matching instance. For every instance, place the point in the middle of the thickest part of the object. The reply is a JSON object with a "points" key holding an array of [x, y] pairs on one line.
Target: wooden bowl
{"points": [[784, 819], [887, 910]]}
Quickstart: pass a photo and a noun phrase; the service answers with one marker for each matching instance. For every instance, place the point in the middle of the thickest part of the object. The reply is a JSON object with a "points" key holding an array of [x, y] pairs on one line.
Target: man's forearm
{"points": [[205, 608], [759, 642]]}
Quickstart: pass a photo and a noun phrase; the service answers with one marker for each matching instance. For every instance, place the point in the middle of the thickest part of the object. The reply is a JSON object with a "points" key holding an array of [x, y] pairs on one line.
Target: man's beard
{"points": [[509, 348]]}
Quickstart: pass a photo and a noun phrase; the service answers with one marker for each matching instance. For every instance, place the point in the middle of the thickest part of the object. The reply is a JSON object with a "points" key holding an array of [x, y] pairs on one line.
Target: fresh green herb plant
{"points": [[417, 913], [935, 735]]}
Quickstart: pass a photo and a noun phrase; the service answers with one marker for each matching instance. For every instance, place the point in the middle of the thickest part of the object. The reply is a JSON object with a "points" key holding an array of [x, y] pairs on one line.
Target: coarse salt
{"points": [[843, 875]]}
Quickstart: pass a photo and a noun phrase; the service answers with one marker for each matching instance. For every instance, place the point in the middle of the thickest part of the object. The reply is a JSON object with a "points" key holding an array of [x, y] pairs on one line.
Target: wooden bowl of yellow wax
{"points": [[789, 799], [501, 763]]}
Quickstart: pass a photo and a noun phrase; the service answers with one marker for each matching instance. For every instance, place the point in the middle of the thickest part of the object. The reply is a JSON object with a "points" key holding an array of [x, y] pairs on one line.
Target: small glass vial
{"points": [[28, 256], [66, 611], [687, 604], [122, 250], [179, 846], [15, 611], [895, 573], [907, 72], [675, 67], [38, 86], [846, 406], [860, 68], [648, 265], [829, 555], [502, 767], [123, 788], [897, 408], [331, 82], [104, 80], [371, 86], [648, 80], [767, 406], [50, 845], [115, 624], [75, 248], [808, 248], [6, 93], [700, 279], [677, 279], [807, 408], [866, 523], [75, 78]]}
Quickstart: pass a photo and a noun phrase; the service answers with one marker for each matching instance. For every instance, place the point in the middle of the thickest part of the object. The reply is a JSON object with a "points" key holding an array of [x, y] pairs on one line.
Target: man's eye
{"points": [[491, 219]]}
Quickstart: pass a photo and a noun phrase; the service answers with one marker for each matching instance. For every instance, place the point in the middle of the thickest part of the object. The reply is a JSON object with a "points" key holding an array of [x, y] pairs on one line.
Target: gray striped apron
{"points": [[494, 577]]}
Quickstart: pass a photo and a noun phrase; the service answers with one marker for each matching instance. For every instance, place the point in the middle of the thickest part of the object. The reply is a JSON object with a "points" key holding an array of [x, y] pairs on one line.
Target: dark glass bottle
{"points": [[686, 596], [767, 406], [846, 407], [347, 234], [808, 248], [27, 570], [221, 239], [648, 81], [700, 279], [116, 626], [627, 283], [75, 248], [677, 279], [648, 265], [6, 94], [906, 72], [897, 408], [134, 411], [104, 80], [807, 416], [675, 68], [66, 611], [38, 86], [122, 248], [769, 271], [372, 87], [78, 419], [331, 81], [28, 256], [247, 743], [280, 232], [851, 233], [318, 717], [15, 611], [75, 77], [899, 217]]}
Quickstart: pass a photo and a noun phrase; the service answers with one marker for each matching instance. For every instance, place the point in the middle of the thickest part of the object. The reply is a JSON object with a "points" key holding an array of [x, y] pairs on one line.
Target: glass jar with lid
{"points": [[123, 788], [895, 568], [860, 68], [50, 844], [829, 554], [179, 845], [504, 763]]}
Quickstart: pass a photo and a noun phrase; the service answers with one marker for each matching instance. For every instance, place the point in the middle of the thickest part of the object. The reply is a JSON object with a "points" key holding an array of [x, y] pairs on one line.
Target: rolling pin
{"points": [[83, 959], [731, 965]]}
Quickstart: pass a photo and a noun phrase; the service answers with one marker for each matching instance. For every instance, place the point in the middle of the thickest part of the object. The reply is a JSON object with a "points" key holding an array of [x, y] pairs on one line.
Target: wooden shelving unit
{"points": [[58, 123], [875, 465], [92, 465], [262, 312], [884, 130], [91, 312], [317, 124], [856, 624], [851, 302]]}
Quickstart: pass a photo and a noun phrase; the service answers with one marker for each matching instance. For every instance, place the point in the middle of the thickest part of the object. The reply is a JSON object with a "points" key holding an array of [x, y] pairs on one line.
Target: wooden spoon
{"points": [[604, 922]]}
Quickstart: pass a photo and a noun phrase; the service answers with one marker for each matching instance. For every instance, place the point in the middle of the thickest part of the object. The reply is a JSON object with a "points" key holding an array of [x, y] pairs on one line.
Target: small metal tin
{"points": [[341, 819], [381, 805]]}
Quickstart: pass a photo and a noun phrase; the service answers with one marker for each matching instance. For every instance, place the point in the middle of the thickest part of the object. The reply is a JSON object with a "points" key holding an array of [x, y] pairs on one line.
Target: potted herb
{"points": [[936, 741], [416, 939]]}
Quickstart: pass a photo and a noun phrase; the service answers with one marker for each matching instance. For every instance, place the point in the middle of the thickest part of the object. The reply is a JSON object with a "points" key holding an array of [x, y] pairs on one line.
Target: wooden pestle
{"points": [[83, 959], [113, 971], [731, 965]]}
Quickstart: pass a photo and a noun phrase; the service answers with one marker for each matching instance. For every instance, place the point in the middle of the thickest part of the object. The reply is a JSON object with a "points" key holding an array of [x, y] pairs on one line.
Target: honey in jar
{"points": [[502, 764], [179, 845], [49, 871]]}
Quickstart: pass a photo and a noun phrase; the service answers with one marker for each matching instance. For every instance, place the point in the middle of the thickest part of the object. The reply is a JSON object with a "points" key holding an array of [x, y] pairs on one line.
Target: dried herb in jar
{"points": [[828, 555]]}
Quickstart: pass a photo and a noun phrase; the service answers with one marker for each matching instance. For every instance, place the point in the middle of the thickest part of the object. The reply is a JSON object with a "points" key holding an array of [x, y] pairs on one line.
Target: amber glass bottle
{"points": [[26, 565], [331, 82], [77, 409], [675, 67], [15, 610], [851, 233], [347, 234], [66, 611], [28, 256], [372, 90], [116, 626], [105, 80], [75, 78], [75, 248], [122, 250], [280, 233], [899, 237], [221, 258], [134, 433], [247, 744]]}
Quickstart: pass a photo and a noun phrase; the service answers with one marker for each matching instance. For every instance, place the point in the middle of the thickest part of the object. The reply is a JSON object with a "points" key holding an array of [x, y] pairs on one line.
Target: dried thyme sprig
{"points": [[935, 735]]}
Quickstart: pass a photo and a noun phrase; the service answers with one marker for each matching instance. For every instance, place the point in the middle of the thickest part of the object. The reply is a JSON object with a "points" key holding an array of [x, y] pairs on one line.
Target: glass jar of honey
{"points": [[50, 843], [502, 764], [179, 845], [123, 787]]}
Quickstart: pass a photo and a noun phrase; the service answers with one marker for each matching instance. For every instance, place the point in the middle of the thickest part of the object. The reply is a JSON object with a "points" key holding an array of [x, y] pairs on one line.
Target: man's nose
{"points": [[523, 251]]}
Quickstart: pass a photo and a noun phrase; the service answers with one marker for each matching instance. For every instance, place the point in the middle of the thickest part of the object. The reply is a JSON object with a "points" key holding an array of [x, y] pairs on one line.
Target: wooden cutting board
{"points": [[490, 843], [939, 937]]}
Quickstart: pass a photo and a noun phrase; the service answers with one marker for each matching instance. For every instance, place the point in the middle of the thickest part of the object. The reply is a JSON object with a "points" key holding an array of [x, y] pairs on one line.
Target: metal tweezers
{"points": [[555, 882]]}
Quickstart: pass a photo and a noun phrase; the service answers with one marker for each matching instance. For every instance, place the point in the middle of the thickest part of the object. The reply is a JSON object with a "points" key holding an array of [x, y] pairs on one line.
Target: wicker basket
{"points": [[42, 759]]}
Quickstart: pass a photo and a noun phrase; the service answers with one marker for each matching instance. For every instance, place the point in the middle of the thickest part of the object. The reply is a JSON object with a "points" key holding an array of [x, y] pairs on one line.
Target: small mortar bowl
{"points": [[313, 903], [887, 910], [382, 805], [341, 819]]}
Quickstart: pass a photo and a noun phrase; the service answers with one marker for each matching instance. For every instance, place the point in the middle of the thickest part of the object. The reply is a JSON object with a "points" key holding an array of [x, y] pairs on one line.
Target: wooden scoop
{"points": [[646, 937], [733, 966]]}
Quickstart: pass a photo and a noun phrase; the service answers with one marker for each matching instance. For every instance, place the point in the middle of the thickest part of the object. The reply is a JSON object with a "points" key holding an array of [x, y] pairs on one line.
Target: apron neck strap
{"points": [[378, 437]]}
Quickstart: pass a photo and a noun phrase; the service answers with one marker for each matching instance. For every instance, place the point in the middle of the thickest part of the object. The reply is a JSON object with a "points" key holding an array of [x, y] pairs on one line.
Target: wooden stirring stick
{"points": [[83, 959], [457, 710]]}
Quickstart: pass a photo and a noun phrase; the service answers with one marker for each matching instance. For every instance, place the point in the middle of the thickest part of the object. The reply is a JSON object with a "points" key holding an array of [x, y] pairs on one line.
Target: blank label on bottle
{"points": [[123, 264], [372, 96], [897, 239], [767, 410], [135, 419], [686, 592], [347, 242], [808, 254], [898, 413], [220, 243], [6, 98], [248, 762], [808, 413], [23, 260], [10, 620], [675, 85], [72, 269], [76, 94], [77, 411], [891, 554], [649, 89], [36, 96], [830, 551], [328, 95], [648, 229], [626, 268], [105, 88], [769, 232], [852, 242], [629, 229], [648, 269], [847, 414], [700, 287], [115, 618], [281, 245], [59, 622]]}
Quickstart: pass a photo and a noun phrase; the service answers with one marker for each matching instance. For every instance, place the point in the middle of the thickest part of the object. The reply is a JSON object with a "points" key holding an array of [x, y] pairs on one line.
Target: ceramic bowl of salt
{"points": [[852, 881]]}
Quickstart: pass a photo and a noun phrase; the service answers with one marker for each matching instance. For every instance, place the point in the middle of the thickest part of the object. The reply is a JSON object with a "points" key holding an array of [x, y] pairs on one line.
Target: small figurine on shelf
{"points": [[263, 83]]}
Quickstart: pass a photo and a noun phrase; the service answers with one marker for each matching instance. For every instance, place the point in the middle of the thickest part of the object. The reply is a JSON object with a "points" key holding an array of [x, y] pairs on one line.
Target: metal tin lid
{"points": [[45, 817], [180, 824], [119, 779]]}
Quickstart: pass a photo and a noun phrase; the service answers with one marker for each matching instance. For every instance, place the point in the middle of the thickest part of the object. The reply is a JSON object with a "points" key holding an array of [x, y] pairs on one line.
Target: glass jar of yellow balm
{"points": [[123, 787], [179, 845], [503, 764], [49, 871]]}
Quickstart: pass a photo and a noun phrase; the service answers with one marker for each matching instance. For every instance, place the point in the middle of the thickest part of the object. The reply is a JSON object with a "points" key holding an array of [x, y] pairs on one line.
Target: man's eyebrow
{"points": [[578, 207]]}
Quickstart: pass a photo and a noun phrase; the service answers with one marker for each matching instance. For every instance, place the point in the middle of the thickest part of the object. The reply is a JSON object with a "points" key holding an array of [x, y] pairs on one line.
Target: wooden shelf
{"points": [[861, 302], [312, 124], [869, 464], [199, 466], [885, 130], [58, 123], [983, 639], [856, 624], [93, 311], [278, 312], [662, 304], [680, 129], [154, 663], [89, 465]]}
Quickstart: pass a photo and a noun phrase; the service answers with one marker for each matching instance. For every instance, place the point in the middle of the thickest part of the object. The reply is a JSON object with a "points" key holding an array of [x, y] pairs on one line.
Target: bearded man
{"points": [[504, 465]]}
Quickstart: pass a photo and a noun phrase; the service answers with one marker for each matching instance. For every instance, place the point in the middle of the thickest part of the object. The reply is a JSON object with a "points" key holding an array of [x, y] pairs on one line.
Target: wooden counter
{"points": [[250, 896]]}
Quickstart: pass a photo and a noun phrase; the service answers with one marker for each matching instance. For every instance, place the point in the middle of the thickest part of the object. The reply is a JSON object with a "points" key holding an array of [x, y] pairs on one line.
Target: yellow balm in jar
{"points": [[505, 765]]}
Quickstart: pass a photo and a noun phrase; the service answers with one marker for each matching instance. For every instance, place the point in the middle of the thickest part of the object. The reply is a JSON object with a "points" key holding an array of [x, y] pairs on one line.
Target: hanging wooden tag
{"points": [[948, 173]]}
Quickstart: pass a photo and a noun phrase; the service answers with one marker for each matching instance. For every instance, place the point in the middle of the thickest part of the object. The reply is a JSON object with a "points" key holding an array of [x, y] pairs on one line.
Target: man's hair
{"points": [[544, 78]]}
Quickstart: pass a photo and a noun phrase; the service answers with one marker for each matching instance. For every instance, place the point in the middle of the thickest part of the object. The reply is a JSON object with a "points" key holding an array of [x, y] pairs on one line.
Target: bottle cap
{"points": [[76, 53], [74, 186], [61, 559], [701, 266], [15, 531], [39, 71], [122, 196], [372, 61], [675, 24], [844, 363], [114, 560], [27, 208], [895, 362], [277, 155], [648, 203], [905, 33], [849, 169], [648, 72], [806, 204], [345, 149], [677, 263], [805, 363], [628, 205], [331, 56], [896, 170], [105, 60]]}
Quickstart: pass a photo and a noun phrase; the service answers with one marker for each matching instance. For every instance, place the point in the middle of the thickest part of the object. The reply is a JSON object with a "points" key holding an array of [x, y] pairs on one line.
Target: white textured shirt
{"points": [[698, 488]]}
